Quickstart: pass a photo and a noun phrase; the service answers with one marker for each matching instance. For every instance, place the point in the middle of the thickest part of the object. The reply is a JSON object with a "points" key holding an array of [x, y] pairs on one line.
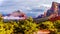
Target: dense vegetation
{"points": [[18, 27], [28, 26]]}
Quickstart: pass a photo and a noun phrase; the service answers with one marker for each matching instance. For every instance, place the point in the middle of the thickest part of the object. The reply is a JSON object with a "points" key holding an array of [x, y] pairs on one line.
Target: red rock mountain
{"points": [[18, 13], [54, 12]]}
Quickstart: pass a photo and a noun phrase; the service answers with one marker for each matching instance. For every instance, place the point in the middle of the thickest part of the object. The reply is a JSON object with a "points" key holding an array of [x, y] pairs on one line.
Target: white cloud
{"points": [[57, 1], [46, 5], [28, 8]]}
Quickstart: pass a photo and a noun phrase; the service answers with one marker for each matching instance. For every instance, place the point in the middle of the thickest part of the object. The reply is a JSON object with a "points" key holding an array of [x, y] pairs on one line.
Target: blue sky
{"points": [[8, 6]]}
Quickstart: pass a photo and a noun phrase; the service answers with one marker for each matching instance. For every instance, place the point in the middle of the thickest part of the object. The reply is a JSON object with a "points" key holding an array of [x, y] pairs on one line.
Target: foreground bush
{"points": [[53, 27], [47, 25], [26, 26], [6, 28], [20, 27]]}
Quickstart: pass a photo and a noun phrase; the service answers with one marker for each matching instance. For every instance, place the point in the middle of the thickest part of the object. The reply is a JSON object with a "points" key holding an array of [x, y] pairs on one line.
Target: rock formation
{"points": [[54, 11]]}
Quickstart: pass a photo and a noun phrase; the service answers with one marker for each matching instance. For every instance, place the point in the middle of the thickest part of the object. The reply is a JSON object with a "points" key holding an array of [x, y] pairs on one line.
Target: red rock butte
{"points": [[54, 12]]}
